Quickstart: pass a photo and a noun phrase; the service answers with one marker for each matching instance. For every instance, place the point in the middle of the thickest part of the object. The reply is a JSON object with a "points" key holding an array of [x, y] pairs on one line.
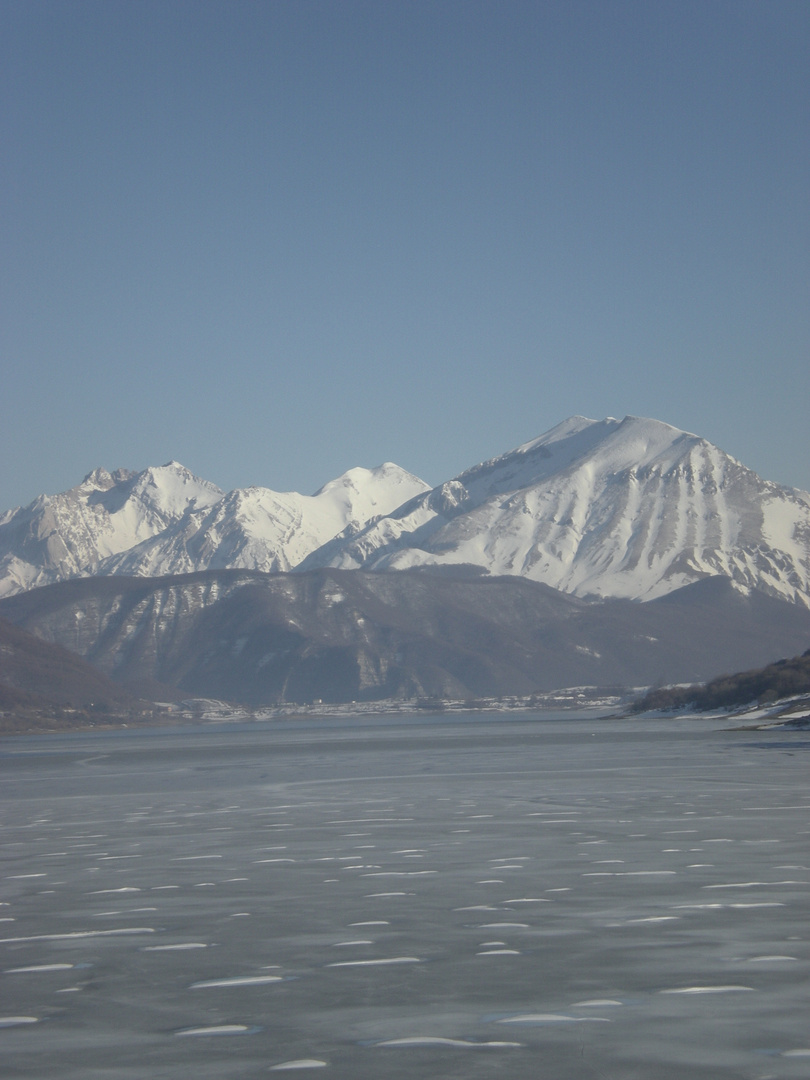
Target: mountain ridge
{"points": [[631, 508]]}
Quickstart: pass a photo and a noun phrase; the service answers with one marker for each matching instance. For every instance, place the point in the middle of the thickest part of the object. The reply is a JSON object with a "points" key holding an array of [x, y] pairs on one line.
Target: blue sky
{"points": [[274, 240]]}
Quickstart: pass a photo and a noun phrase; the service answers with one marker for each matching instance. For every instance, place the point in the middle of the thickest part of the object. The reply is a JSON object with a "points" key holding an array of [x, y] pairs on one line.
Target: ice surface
{"points": [[640, 972]]}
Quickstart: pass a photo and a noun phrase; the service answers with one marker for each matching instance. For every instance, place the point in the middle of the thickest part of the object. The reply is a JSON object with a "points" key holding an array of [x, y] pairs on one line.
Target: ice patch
{"points": [[396, 873], [217, 1029], [194, 858], [238, 980], [174, 948], [717, 907], [370, 963], [753, 884], [649, 919], [80, 934], [551, 1018], [504, 926], [123, 889], [16, 1021], [769, 959], [595, 1003], [432, 1040], [37, 967], [633, 873], [529, 900], [301, 1063], [127, 911], [730, 989]]}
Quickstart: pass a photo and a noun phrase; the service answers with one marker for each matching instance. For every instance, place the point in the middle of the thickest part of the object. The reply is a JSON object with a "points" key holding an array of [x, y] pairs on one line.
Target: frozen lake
{"points": [[521, 897]]}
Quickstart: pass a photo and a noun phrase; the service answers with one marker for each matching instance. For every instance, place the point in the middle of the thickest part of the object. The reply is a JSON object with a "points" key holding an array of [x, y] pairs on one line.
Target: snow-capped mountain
{"points": [[258, 529], [166, 520], [628, 508], [69, 535], [624, 508]]}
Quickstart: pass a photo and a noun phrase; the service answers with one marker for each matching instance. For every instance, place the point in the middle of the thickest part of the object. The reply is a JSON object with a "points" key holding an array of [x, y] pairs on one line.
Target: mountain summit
{"points": [[628, 508]]}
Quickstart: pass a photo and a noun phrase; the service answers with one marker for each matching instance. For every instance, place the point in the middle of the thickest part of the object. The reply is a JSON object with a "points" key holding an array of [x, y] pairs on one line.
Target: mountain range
{"points": [[630, 508], [603, 553]]}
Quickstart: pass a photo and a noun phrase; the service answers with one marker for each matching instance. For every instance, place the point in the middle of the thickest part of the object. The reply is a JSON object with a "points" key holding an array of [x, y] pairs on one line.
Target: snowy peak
{"points": [[628, 508], [70, 534], [173, 490], [619, 444], [361, 494]]}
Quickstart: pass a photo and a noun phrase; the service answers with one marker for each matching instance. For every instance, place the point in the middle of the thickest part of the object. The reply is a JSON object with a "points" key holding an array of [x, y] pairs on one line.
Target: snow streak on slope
{"points": [[631, 508]]}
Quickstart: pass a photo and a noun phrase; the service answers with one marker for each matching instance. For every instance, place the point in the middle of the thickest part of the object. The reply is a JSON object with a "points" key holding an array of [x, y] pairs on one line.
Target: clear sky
{"points": [[274, 239]]}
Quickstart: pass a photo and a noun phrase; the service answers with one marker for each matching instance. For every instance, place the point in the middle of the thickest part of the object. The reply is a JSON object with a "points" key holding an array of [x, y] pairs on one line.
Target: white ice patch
{"points": [[123, 889], [529, 900], [551, 1018], [718, 907], [633, 873], [300, 1063], [238, 980], [175, 948], [504, 926], [648, 919], [16, 1021], [730, 989], [396, 873], [80, 934], [432, 1040], [37, 967], [376, 963], [217, 1029], [754, 884], [595, 1003]]}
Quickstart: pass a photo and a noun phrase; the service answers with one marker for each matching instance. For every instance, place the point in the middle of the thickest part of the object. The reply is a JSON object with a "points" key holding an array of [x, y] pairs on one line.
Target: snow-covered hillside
{"points": [[627, 508]]}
